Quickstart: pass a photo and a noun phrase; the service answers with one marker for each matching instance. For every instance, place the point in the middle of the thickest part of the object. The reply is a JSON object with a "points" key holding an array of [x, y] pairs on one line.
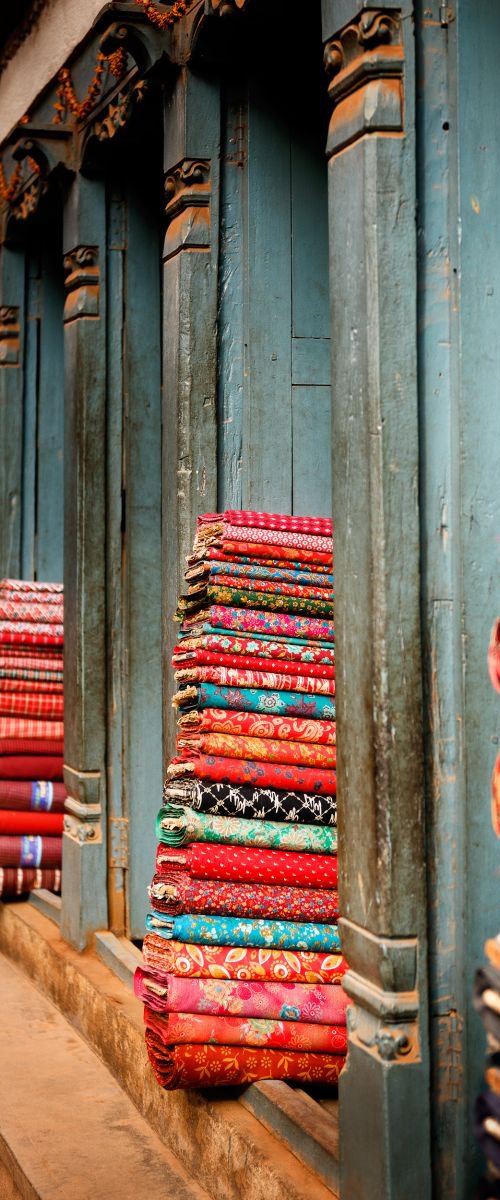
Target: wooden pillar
{"points": [[190, 257], [84, 843], [11, 408], [384, 1115]]}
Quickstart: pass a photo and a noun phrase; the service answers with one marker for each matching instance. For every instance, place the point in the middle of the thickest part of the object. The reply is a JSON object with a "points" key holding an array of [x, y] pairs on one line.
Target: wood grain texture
{"points": [[12, 290]]}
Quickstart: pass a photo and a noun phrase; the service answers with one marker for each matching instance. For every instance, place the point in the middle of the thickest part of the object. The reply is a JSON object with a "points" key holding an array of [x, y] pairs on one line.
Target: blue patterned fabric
{"points": [[233, 931], [283, 704]]}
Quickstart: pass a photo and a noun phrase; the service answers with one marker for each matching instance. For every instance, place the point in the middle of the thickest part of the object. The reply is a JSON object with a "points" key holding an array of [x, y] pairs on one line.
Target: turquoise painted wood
{"points": [[50, 420], [30, 416], [12, 296], [274, 336]]}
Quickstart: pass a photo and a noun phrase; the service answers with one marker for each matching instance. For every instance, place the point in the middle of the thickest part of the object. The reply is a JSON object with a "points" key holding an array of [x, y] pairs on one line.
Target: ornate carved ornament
{"points": [[225, 8], [187, 208], [391, 1043], [364, 63], [118, 112], [10, 336], [82, 283]]}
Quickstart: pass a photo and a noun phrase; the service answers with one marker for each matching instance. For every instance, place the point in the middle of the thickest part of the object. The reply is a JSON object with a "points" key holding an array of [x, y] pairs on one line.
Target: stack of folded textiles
{"points": [[31, 736], [242, 970]]}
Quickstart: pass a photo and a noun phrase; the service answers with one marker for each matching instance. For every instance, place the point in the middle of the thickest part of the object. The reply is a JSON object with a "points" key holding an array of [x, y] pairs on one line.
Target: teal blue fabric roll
{"points": [[283, 704], [233, 931]]}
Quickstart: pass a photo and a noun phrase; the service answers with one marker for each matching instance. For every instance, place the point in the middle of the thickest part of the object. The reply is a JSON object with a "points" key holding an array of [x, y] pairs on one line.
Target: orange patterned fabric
{"points": [[241, 962], [175, 1028], [194, 1066], [302, 754], [259, 725]]}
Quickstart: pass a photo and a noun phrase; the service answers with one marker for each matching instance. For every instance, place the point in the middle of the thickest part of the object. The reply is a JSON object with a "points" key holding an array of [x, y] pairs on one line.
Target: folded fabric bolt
{"points": [[31, 611], [293, 538], [18, 881], [30, 851], [25, 795], [259, 803], [178, 825], [176, 1028], [494, 656], [184, 660], [31, 633], [242, 678], [270, 750], [32, 658], [31, 766], [286, 704], [487, 1126], [192, 1065], [249, 865], [175, 892], [30, 685], [252, 621], [257, 725], [262, 774], [17, 823], [265, 520], [220, 643], [32, 728], [256, 570], [240, 962], [31, 705], [231, 931], [271, 550], [236, 577], [276, 558], [320, 1003], [31, 585], [27, 745], [252, 599]]}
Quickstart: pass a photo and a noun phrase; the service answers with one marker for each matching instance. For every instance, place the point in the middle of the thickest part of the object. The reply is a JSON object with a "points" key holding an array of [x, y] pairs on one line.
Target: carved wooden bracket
{"points": [[82, 283], [364, 63], [225, 8], [10, 336], [391, 1043], [187, 208], [118, 112]]}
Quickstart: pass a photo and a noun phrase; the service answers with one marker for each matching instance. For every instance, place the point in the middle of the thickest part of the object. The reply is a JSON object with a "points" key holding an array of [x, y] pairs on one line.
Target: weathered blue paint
{"points": [[50, 420], [30, 416], [12, 291]]}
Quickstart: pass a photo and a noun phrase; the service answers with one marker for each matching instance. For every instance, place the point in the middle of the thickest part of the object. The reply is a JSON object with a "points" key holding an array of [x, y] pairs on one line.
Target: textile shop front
{"points": [[202, 312]]}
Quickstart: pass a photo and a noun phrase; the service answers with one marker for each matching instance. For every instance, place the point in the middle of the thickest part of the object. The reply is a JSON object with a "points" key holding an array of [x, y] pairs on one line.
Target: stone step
{"points": [[248, 1146], [66, 1127]]}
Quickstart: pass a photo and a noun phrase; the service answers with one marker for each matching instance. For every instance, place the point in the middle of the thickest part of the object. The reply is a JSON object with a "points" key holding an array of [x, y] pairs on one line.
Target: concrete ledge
{"points": [[240, 1157]]}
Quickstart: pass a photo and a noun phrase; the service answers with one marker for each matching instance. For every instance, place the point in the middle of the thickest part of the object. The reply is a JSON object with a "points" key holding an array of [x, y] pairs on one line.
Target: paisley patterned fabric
{"points": [[178, 826], [265, 774], [252, 570], [249, 865], [207, 658], [252, 621], [176, 1028], [321, 1003], [270, 750], [240, 962], [283, 703], [258, 725], [300, 651], [216, 593], [193, 1066], [226, 800], [231, 931], [174, 892], [278, 537], [240, 678]]}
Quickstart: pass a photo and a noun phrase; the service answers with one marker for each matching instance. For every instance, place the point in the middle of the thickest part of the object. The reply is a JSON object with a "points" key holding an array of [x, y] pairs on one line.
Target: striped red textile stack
{"points": [[242, 976], [31, 736]]}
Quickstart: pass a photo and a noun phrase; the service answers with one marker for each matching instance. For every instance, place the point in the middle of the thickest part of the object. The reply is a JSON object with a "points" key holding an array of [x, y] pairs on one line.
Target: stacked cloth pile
{"points": [[242, 970], [487, 998], [31, 736]]}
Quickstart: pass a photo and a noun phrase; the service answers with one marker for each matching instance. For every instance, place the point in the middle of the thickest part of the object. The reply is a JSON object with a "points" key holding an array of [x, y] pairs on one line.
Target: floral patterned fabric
{"points": [[277, 602], [179, 825], [240, 678], [182, 660], [284, 703], [307, 754], [176, 1028], [271, 550], [175, 892], [193, 1066], [320, 1003], [252, 621], [300, 651], [227, 800], [265, 520], [249, 865], [240, 962], [262, 774], [231, 931], [258, 725], [279, 537], [279, 558], [253, 570]]}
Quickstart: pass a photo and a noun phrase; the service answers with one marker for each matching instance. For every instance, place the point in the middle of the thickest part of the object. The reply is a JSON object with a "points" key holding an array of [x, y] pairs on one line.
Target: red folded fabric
{"points": [[216, 554], [165, 956], [272, 586], [32, 766], [31, 746], [302, 652], [177, 1028], [31, 727], [30, 851], [182, 659], [31, 658], [193, 1066], [48, 824], [264, 520], [322, 1004], [221, 720], [29, 586], [175, 892], [31, 611], [26, 633], [31, 796], [267, 550], [240, 678], [30, 685], [18, 881], [274, 775], [269, 750], [494, 656], [30, 705], [247, 864]]}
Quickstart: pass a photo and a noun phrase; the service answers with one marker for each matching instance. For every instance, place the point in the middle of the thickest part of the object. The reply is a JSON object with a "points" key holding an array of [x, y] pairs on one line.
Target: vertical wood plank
{"points": [[30, 415], [12, 303], [50, 423]]}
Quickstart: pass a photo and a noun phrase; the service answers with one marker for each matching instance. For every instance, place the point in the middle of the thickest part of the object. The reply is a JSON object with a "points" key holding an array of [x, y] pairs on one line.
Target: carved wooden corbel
{"points": [[82, 283], [10, 336], [187, 208], [364, 63], [225, 8]]}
